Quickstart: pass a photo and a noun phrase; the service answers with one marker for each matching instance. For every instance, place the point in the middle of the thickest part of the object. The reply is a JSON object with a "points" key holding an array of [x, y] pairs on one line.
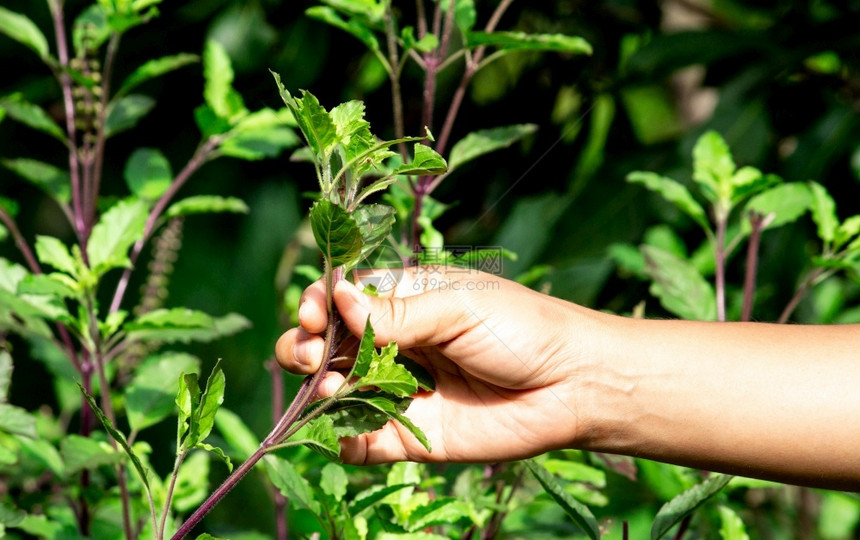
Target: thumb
{"points": [[423, 320]]}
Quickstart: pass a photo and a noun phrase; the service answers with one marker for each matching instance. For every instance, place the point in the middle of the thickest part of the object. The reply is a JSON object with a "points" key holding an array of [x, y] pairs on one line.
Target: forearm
{"points": [[762, 400]]}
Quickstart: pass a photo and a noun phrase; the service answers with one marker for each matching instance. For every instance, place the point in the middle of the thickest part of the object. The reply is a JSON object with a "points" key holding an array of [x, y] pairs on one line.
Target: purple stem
{"points": [[281, 501], [721, 268], [200, 156], [99, 150], [757, 222], [69, 105], [799, 294], [303, 398]]}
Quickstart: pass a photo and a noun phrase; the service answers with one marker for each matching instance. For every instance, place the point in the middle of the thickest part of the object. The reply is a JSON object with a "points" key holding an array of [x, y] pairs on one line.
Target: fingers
{"points": [[426, 319], [312, 308], [300, 352]]}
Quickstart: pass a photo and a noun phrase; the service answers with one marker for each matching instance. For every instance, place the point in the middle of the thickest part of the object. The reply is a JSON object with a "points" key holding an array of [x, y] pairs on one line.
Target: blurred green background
{"points": [[778, 79]]}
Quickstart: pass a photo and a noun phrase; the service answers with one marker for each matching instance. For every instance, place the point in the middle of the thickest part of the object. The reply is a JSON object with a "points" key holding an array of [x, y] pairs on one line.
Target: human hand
{"points": [[506, 361]]}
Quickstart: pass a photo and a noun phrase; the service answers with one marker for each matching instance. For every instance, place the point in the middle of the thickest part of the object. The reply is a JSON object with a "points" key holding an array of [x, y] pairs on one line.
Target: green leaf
{"points": [[387, 375], [314, 121], [149, 398], [422, 376], [786, 202], [114, 234], [10, 516], [170, 326], [52, 251], [192, 483], [41, 527], [678, 508], [748, 181], [118, 437], [573, 471], [823, 212], [336, 233], [578, 512], [353, 416], [847, 230], [156, 68], [23, 30], [206, 204], [464, 14], [425, 162], [319, 434], [32, 116], [672, 191], [484, 141], [375, 222], [366, 349], [732, 527], [187, 402], [90, 30], [148, 173], [54, 284], [81, 453], [366, 418], [531, 42], [213, 397], [50, 179], [426, 44], [333, 481], [5, 374], [17, 420], [713, 167], [215, 451], [680, 287], [218, 89], [352, 26], [209, 123], [126, 112], [440, 511], [261, 143], [240, 438], [291, 484], [372, 495]]}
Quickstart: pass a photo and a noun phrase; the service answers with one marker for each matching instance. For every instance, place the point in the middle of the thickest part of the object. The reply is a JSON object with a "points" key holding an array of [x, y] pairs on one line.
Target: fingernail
{"points": [[302, 311], [300, 352], [359, 297]]}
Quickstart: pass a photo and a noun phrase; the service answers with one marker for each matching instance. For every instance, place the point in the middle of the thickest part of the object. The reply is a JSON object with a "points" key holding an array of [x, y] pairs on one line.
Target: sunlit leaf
{"points": [[672, 191], [126, 112], [17, 420], [531, 42], [54, 181], [336, 233], [319, 434], [31, 115], [218, 90], [678, 508], [20, 28], [713, 166], [823, 212], [149, 397], [291, 484], [156, 68], [786, 202], [387, 375], [120, 227], [52, 251], [351, 26], [478, 143], [578, 512], [679, 286], [206, 204], [333, 481], [731, 525], [81, 453], [148, 173], [183, 325], [192, 483], [375, 222], [240, 438], [425, 161]]}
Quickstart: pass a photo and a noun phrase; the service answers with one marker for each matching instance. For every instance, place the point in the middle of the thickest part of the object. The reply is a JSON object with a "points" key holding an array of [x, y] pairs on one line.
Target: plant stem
{"points": [[200, 156], [101, 117], [20, 242], [721, 265], [394, 76], [159, 531], [282, 427], [757, 223], [281, 501], [799, 294], [56, 7]]}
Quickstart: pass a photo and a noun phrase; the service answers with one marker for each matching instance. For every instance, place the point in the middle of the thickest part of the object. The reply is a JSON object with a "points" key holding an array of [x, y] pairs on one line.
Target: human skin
{"points": [[519, 373]]}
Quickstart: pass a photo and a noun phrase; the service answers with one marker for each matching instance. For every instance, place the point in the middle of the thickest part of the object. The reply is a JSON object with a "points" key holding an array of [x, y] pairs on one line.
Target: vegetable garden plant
{"points": [[85, 471]]}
